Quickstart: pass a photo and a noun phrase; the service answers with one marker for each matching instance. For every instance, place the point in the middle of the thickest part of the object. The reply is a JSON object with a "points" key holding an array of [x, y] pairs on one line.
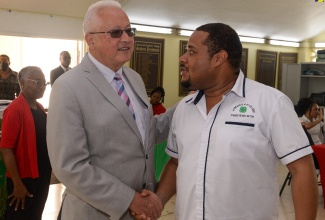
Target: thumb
{"points": [[29, 195], [145, 192]]}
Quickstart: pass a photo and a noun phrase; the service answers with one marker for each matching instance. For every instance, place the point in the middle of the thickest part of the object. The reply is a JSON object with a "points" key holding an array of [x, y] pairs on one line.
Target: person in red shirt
{"points": [[24, 149], [156, 99]]}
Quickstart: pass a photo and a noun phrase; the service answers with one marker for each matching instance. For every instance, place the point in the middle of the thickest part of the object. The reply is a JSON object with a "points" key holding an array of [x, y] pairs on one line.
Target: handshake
{"points": [[147, 205]]}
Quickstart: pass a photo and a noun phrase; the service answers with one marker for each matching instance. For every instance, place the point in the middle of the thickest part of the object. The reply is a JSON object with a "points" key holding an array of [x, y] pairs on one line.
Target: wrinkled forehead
{"points": [[65, 56], [35, 74], [112, 17]]}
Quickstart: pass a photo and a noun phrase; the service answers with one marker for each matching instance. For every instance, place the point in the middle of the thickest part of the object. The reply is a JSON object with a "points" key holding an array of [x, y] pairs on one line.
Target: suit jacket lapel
{"points": [[138, 90], [99, 81]]}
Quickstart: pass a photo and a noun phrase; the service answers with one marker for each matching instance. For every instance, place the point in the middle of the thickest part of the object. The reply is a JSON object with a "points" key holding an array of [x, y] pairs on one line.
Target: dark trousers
{"points": [[34, 206]]}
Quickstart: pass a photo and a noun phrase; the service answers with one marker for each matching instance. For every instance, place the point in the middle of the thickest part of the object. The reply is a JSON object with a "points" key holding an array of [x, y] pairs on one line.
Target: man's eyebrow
{"points": [[189, 47]]}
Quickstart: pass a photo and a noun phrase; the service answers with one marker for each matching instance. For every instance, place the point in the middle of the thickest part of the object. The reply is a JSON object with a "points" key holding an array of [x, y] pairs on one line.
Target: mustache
{"points": [[181, 65]]}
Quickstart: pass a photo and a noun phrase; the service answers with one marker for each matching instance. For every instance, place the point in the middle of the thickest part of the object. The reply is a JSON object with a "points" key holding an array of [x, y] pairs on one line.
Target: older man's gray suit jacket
{"points": [[94, 144]]}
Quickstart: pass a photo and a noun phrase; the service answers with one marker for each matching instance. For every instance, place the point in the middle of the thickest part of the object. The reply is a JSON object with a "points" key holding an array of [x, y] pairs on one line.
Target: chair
{"points": [[288, 178], [319, 151]]}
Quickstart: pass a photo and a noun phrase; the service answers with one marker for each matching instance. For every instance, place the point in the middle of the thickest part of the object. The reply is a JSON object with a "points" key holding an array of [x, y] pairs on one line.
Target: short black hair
{"points": [[160, 90], [223, 37], [304, 105], [6, 56]]}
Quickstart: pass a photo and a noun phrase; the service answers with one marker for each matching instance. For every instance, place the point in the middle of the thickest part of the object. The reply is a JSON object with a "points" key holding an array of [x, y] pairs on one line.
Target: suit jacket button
{"points": [[146, 156]]}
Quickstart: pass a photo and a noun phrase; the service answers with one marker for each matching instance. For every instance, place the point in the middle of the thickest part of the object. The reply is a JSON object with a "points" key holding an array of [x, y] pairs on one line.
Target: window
{"points": [[41, 52]]}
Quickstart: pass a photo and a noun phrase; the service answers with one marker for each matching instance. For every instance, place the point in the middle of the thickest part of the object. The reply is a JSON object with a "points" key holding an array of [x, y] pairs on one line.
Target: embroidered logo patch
{"points": [[243, 110]]}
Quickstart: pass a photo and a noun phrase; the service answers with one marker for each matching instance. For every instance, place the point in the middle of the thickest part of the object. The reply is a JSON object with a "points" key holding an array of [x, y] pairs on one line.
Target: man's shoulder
{"points": [[59, 68], [129, 70], [130, 73], [259, 89], [13, 72]]}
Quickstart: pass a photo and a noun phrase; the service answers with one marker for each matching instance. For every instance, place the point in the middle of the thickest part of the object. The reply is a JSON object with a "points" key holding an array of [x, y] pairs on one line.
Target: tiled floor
{"points": [[285, 207]]}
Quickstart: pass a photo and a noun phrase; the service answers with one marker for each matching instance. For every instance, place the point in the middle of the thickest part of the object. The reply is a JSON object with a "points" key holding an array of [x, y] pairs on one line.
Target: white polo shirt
{"points": [[228, 159], [314, 131]]}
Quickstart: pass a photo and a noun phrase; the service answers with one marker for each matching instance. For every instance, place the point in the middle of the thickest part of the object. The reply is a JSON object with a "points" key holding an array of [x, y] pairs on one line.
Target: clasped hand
{"points": [[146, 206]]}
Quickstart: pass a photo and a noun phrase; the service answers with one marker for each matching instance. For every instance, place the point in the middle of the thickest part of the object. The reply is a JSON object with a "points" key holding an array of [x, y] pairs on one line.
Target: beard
{"points": [[186, 84]]}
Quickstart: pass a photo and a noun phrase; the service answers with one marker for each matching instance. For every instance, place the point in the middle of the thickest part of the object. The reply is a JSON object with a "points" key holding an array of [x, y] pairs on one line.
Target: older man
{"points": [[101, 130], [226, 140]]}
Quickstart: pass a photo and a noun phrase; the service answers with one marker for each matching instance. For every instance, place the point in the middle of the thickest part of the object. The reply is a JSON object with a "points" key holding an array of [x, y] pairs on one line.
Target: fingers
{"points": [[18, 201], [11, 195], [12, 201], [23, 203], [146, 205], [17, 204], [141, 217], [154, 204]]}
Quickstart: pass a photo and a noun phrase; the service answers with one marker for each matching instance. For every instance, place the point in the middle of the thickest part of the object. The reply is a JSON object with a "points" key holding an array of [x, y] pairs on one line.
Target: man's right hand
{"points": [[146, 207]]}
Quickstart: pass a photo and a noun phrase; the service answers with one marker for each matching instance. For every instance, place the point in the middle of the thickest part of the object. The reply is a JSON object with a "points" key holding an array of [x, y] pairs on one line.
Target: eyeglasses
{"points": [[39, 83], [117, 33]]}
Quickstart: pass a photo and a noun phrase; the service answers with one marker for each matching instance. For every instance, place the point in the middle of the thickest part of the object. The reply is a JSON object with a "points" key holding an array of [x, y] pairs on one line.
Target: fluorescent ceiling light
{"points": [[185, 33], [152, 29], [284, 43], [319, 44], [252, 40]]}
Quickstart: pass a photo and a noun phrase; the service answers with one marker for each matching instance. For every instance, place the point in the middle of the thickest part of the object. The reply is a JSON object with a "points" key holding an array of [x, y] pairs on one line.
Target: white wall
{"points": [[15, 23]]}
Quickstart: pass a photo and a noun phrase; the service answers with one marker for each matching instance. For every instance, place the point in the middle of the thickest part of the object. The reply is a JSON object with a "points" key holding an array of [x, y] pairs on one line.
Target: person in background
{"points": [[156, 99], [101, 129], [24, 149], [65, 60], [311, 118], [9, 86], [226, 140]]}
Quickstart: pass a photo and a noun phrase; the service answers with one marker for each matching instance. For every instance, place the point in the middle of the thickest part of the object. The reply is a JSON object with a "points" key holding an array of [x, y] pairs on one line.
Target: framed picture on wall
{"points": [[244, 60], [285, 58], [181, 90], [147, 60], [266, 67]]}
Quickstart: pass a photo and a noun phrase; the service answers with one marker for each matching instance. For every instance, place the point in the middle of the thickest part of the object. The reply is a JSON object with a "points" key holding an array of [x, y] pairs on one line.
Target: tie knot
{"points": [[117, 77]]}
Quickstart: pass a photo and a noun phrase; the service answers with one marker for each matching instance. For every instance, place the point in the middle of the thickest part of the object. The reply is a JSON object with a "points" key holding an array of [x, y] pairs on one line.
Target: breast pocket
{"points": [[237, 123]]}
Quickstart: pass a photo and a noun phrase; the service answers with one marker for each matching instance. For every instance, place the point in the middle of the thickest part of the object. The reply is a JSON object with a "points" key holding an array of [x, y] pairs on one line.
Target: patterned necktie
{"points": [[122, 93]]}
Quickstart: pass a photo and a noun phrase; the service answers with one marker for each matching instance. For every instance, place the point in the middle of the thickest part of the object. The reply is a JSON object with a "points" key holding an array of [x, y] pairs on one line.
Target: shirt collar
{"points": [[305, 118], [65, 69], [238, 89], [104, 70]]}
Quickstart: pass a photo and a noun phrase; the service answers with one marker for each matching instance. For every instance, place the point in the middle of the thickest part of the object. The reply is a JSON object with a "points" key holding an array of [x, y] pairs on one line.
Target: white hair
{"points": [[28, 70], [91, 16]]}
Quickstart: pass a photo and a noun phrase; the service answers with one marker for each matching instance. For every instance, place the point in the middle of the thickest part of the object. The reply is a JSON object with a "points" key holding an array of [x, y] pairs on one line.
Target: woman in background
{"points": [[156, 99], [312, 118], [24, 149]]}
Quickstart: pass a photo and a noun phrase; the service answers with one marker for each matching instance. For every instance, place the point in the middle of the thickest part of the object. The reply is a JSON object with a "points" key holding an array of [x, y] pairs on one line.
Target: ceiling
{"points": [[292, 20]]}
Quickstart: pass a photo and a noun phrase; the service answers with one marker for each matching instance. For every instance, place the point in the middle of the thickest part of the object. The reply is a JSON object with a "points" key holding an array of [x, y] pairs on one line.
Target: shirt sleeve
{"points": [[10, 128], [172, 149], [287, 135]]}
